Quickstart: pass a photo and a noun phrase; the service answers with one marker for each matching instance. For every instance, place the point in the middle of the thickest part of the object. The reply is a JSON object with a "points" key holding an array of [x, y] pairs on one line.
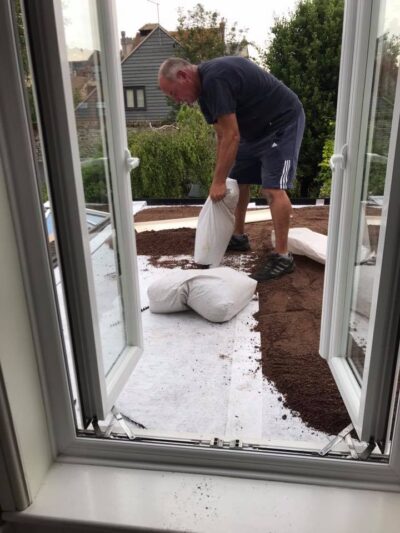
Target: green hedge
{"points": [[325, 174], [172, 158], [94, 181], [377, 168]]}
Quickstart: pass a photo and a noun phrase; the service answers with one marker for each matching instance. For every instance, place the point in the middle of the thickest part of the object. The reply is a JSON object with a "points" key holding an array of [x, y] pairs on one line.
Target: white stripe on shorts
{"points": [[285, 173]]}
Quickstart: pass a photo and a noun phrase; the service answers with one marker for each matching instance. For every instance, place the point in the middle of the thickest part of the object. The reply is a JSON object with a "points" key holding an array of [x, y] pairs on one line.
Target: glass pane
{"points": [[373, 181], [140, 97], [129, 98], [84, 56]]}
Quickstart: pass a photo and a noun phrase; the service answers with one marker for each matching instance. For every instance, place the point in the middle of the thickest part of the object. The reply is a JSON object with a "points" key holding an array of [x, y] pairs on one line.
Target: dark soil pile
{"points": [[160, 213], [288, 317]]}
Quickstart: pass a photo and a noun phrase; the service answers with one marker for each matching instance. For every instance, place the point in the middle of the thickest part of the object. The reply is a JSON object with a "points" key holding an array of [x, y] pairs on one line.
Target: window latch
{"points": [[339, 160]]}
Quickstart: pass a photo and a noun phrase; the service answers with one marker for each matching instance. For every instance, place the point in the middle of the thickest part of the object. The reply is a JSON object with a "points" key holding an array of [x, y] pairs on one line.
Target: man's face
{"points": [[181, 90]]}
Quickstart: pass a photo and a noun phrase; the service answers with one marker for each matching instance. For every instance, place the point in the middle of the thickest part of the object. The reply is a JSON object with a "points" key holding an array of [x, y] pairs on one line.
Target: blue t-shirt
{"points": [[262, 103]]}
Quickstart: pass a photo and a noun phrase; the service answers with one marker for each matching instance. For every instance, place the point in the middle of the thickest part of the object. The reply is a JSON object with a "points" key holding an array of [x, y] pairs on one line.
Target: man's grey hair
{"points": [[170, 67]]}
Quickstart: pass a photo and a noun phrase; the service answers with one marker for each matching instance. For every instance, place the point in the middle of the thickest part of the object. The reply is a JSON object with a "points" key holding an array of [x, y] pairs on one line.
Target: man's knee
{"points": [[274, 194], [244, 191], [244, 188]]}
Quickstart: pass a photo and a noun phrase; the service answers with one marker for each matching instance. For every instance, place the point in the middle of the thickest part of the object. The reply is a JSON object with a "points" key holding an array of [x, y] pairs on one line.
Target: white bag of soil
{"points": [[303, 241], [217, 294], [215, 227], [169, 293]]}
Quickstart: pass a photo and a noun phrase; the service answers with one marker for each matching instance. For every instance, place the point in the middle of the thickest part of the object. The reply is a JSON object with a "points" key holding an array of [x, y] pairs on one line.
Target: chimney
{"points": [[222, 30], [123, 44]]}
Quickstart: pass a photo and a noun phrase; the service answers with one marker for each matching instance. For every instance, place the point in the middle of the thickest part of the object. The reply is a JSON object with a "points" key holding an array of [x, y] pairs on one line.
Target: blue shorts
{"points": [[270, 161]]}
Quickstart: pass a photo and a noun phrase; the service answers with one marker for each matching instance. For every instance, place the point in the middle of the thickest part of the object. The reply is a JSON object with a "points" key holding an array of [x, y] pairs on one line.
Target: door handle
{"points": [[131, 162]]}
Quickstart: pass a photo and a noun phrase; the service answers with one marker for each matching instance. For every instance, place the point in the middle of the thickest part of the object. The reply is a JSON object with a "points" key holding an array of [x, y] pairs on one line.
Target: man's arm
{"points": [[228, 137]]}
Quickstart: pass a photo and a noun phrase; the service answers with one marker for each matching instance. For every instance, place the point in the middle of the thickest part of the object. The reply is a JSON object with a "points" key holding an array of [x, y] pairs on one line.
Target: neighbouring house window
{"points": [[100, 106], [135, 98]]}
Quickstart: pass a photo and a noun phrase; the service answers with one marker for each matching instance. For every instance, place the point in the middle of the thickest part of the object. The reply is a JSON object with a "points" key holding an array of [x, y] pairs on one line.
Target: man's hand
{"points": [[217, 191]]}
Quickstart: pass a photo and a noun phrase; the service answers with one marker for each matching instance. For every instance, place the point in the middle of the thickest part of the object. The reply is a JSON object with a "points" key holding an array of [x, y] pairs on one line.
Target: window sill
{"points": [[168, 501]]}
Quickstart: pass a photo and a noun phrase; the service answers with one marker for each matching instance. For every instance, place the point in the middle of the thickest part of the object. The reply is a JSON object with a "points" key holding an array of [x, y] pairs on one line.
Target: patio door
{"points": [[76, 64], [360, 318]]}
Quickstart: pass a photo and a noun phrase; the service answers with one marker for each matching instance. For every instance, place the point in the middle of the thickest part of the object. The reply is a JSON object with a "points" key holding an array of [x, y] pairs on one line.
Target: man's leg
{"points": [[281, 209], [239, 241], [241, 208], [280, 262], [278, 172]]}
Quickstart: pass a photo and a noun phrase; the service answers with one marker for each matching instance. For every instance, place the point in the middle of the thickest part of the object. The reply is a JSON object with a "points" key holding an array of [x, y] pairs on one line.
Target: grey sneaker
{"points": [[276, 266], [239, 243]]}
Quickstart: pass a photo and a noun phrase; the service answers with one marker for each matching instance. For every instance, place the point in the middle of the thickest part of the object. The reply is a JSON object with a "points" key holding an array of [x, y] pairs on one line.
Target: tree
{"points": [[379, 129], [305, 55], [204, 35]]}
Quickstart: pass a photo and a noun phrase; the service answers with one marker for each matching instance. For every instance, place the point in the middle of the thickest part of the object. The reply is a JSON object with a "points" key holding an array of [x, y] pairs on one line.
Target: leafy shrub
{"points": [[304, 53], [325, 174], [172, 158], [94, 181]]}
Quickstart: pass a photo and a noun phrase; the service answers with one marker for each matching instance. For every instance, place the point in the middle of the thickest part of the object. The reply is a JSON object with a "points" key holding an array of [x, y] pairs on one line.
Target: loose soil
{"points": [[289, 312]]}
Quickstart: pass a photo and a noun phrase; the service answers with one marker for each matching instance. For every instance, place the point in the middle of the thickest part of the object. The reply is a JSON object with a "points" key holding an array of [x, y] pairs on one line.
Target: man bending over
{"points": [[259, 123]]}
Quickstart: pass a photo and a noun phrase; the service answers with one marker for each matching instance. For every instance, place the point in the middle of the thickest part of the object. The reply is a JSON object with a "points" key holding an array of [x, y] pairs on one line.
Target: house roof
{"points": [[78, 54], [149, 26], [141, 41], [141, 34]]}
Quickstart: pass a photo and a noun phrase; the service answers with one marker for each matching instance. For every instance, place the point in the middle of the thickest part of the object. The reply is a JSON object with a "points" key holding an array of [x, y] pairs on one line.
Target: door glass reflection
{"points": [[373, 182], [86, 76]]}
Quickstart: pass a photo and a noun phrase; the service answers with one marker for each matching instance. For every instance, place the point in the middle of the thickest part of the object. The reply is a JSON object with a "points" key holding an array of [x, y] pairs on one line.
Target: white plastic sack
{"points": [[364, 276], [303, 241], [217, 294], [215, 227], [221, 294], [168, 294]]}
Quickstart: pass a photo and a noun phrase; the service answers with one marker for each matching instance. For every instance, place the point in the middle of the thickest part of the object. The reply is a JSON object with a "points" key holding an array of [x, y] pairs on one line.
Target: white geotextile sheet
{"points": [[202, 379]]}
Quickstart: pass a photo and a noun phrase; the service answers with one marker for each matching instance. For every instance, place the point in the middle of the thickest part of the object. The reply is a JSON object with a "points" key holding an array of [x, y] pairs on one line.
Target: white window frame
{"points": [[367, 403], [98, 391], [267, 463]]}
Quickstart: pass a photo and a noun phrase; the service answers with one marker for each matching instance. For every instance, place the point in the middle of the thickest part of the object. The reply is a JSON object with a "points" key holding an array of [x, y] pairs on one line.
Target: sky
{"points": [[255, 15]]}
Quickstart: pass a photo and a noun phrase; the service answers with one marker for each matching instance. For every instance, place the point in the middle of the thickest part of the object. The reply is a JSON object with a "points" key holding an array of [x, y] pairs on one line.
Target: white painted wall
{"points": [[17, 356], [167, 501]]}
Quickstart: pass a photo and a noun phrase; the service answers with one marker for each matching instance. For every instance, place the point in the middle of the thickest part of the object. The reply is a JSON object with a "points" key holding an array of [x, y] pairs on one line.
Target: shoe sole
{"points": [[259, 279], [238, 249]]}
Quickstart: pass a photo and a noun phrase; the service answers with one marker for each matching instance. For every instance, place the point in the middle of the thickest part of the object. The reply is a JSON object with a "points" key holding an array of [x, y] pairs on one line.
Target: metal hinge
{"points": [[345, 436], [117, 418]]}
